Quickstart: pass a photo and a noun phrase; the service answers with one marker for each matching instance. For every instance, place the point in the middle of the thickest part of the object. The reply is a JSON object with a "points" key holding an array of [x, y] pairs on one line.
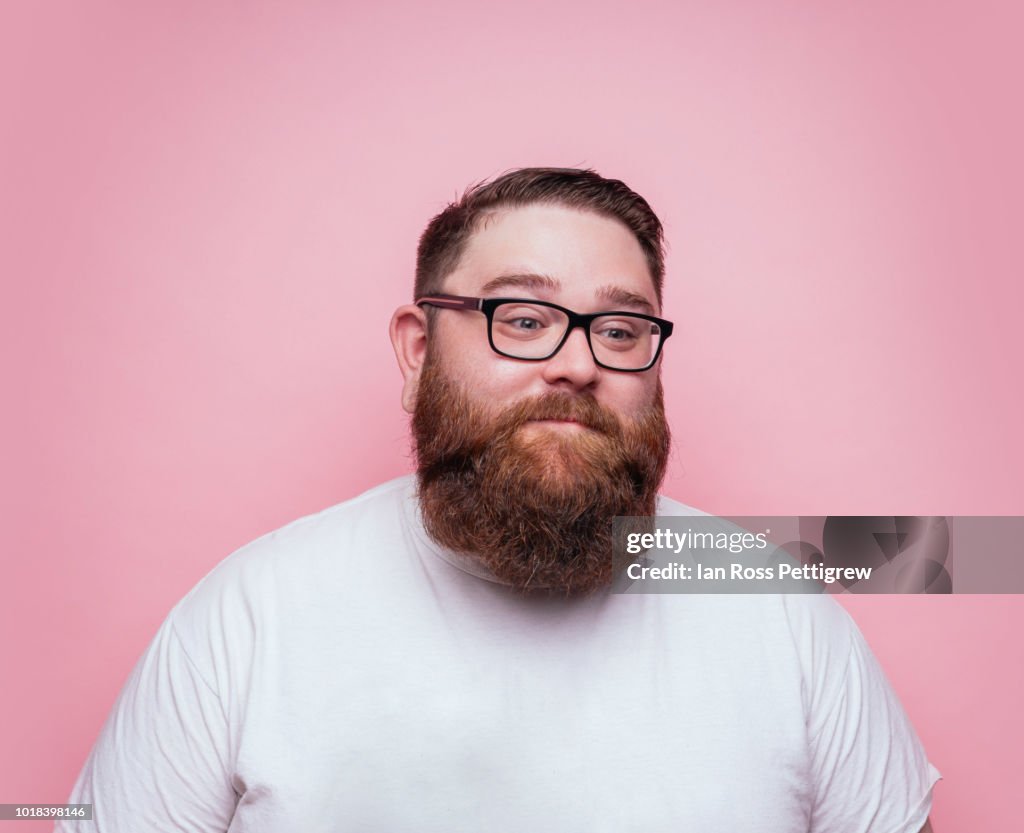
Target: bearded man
{"points": [[444, 653]]}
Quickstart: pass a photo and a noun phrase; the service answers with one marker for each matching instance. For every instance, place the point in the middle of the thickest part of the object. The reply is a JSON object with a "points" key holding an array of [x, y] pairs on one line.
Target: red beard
{"points": [[534, 505]]}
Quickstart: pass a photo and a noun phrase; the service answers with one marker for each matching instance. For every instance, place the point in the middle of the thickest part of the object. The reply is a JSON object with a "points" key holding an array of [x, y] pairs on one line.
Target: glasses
{"points": [[531, 330]]}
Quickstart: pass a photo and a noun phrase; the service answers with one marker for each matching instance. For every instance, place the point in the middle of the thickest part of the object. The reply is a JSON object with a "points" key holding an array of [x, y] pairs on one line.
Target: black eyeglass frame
{"points": [[582, 320]]}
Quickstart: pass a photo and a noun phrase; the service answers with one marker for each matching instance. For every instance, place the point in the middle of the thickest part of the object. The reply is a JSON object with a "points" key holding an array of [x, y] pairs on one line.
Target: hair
{"points": [[444, 241]]}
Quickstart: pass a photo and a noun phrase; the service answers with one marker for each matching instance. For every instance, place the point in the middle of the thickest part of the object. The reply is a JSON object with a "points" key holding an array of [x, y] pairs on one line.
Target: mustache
{"points": [[582, 409], [458, 441]]}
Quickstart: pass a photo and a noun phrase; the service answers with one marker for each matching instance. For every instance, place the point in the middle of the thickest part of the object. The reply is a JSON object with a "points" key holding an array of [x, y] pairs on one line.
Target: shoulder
{"points": [[377, 506], [295, 561]]}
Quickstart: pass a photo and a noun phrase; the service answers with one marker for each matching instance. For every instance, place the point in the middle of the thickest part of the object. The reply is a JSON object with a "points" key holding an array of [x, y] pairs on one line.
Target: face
{"points": [[522, 465], [579, 260]]}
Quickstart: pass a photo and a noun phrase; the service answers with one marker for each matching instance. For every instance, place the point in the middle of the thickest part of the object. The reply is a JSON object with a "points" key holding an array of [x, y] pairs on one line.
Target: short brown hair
{"points": [[444, 240]]}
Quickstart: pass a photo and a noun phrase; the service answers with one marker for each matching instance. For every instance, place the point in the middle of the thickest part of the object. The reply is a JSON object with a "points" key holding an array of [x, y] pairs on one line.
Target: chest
{"points": [[428, 729]]}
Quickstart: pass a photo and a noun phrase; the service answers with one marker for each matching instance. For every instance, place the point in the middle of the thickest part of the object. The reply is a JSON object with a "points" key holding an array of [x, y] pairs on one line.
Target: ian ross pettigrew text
{"points": [[741, 572]]}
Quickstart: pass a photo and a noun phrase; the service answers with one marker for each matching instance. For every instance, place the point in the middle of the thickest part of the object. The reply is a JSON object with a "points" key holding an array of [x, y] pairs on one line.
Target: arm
{"points": [[871, 771], [161, 762]]}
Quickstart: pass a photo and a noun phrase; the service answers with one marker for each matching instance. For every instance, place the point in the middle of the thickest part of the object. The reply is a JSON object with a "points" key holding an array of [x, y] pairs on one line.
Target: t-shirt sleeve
{"points": [[161, 762], [872, 774]]}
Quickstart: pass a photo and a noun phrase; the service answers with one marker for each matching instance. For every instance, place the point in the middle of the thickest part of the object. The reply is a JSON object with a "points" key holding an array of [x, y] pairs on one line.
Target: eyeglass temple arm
{"points": [[451, 301]]}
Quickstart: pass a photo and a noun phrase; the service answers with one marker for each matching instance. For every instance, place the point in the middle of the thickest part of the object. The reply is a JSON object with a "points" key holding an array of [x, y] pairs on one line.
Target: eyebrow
{"points": [[526, 281], [614, 295]]}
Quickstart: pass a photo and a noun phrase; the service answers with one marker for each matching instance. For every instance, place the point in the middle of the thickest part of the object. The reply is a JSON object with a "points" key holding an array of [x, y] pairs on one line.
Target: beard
{"points": [[534, 506]]}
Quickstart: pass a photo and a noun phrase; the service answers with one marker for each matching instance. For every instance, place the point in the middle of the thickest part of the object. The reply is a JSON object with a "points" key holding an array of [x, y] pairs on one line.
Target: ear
{"points": [[409, 338]]}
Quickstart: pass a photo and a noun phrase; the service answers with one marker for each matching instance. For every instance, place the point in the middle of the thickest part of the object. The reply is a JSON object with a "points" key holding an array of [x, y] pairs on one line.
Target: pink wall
{"points": [[195, 198]]}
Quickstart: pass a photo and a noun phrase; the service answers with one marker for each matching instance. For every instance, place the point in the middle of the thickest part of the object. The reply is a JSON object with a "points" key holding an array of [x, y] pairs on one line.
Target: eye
{"points": [[524, 323], [618, 333]]}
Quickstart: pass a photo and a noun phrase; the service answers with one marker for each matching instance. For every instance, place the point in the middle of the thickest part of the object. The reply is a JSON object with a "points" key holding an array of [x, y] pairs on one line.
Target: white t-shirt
{"points": [[344, 673]]}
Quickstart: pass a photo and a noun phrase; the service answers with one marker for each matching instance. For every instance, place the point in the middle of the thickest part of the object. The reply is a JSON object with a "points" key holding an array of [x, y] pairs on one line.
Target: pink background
{"points": [[209, 211]]}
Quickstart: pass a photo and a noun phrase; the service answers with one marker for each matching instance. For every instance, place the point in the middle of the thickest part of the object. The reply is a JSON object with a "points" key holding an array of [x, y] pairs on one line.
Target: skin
{"points": [[580, 260]]}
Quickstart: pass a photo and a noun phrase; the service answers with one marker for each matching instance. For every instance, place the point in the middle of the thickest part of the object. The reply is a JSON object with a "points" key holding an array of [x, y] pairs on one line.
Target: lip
{"points": [[572, 422]]}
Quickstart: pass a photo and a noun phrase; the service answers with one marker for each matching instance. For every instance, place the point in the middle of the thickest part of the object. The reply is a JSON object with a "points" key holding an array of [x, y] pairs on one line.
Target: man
{"points": [[444, 654]]}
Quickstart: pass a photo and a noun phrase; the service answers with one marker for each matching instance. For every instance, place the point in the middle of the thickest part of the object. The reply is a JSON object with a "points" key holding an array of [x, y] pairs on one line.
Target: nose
{"points": [[573, 365]]}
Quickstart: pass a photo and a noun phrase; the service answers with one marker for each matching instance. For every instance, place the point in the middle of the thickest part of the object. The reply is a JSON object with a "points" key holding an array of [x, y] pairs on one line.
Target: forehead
{"points": [[579, 256]]}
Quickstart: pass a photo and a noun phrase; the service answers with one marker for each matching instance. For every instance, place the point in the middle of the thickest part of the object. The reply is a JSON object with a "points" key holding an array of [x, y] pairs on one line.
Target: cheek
{"points": [[503, 378], [629, 394], [467, 358]]}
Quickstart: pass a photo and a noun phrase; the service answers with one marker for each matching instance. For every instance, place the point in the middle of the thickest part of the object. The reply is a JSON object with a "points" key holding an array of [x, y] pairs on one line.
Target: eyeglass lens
{"points": [[620, 341]]}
